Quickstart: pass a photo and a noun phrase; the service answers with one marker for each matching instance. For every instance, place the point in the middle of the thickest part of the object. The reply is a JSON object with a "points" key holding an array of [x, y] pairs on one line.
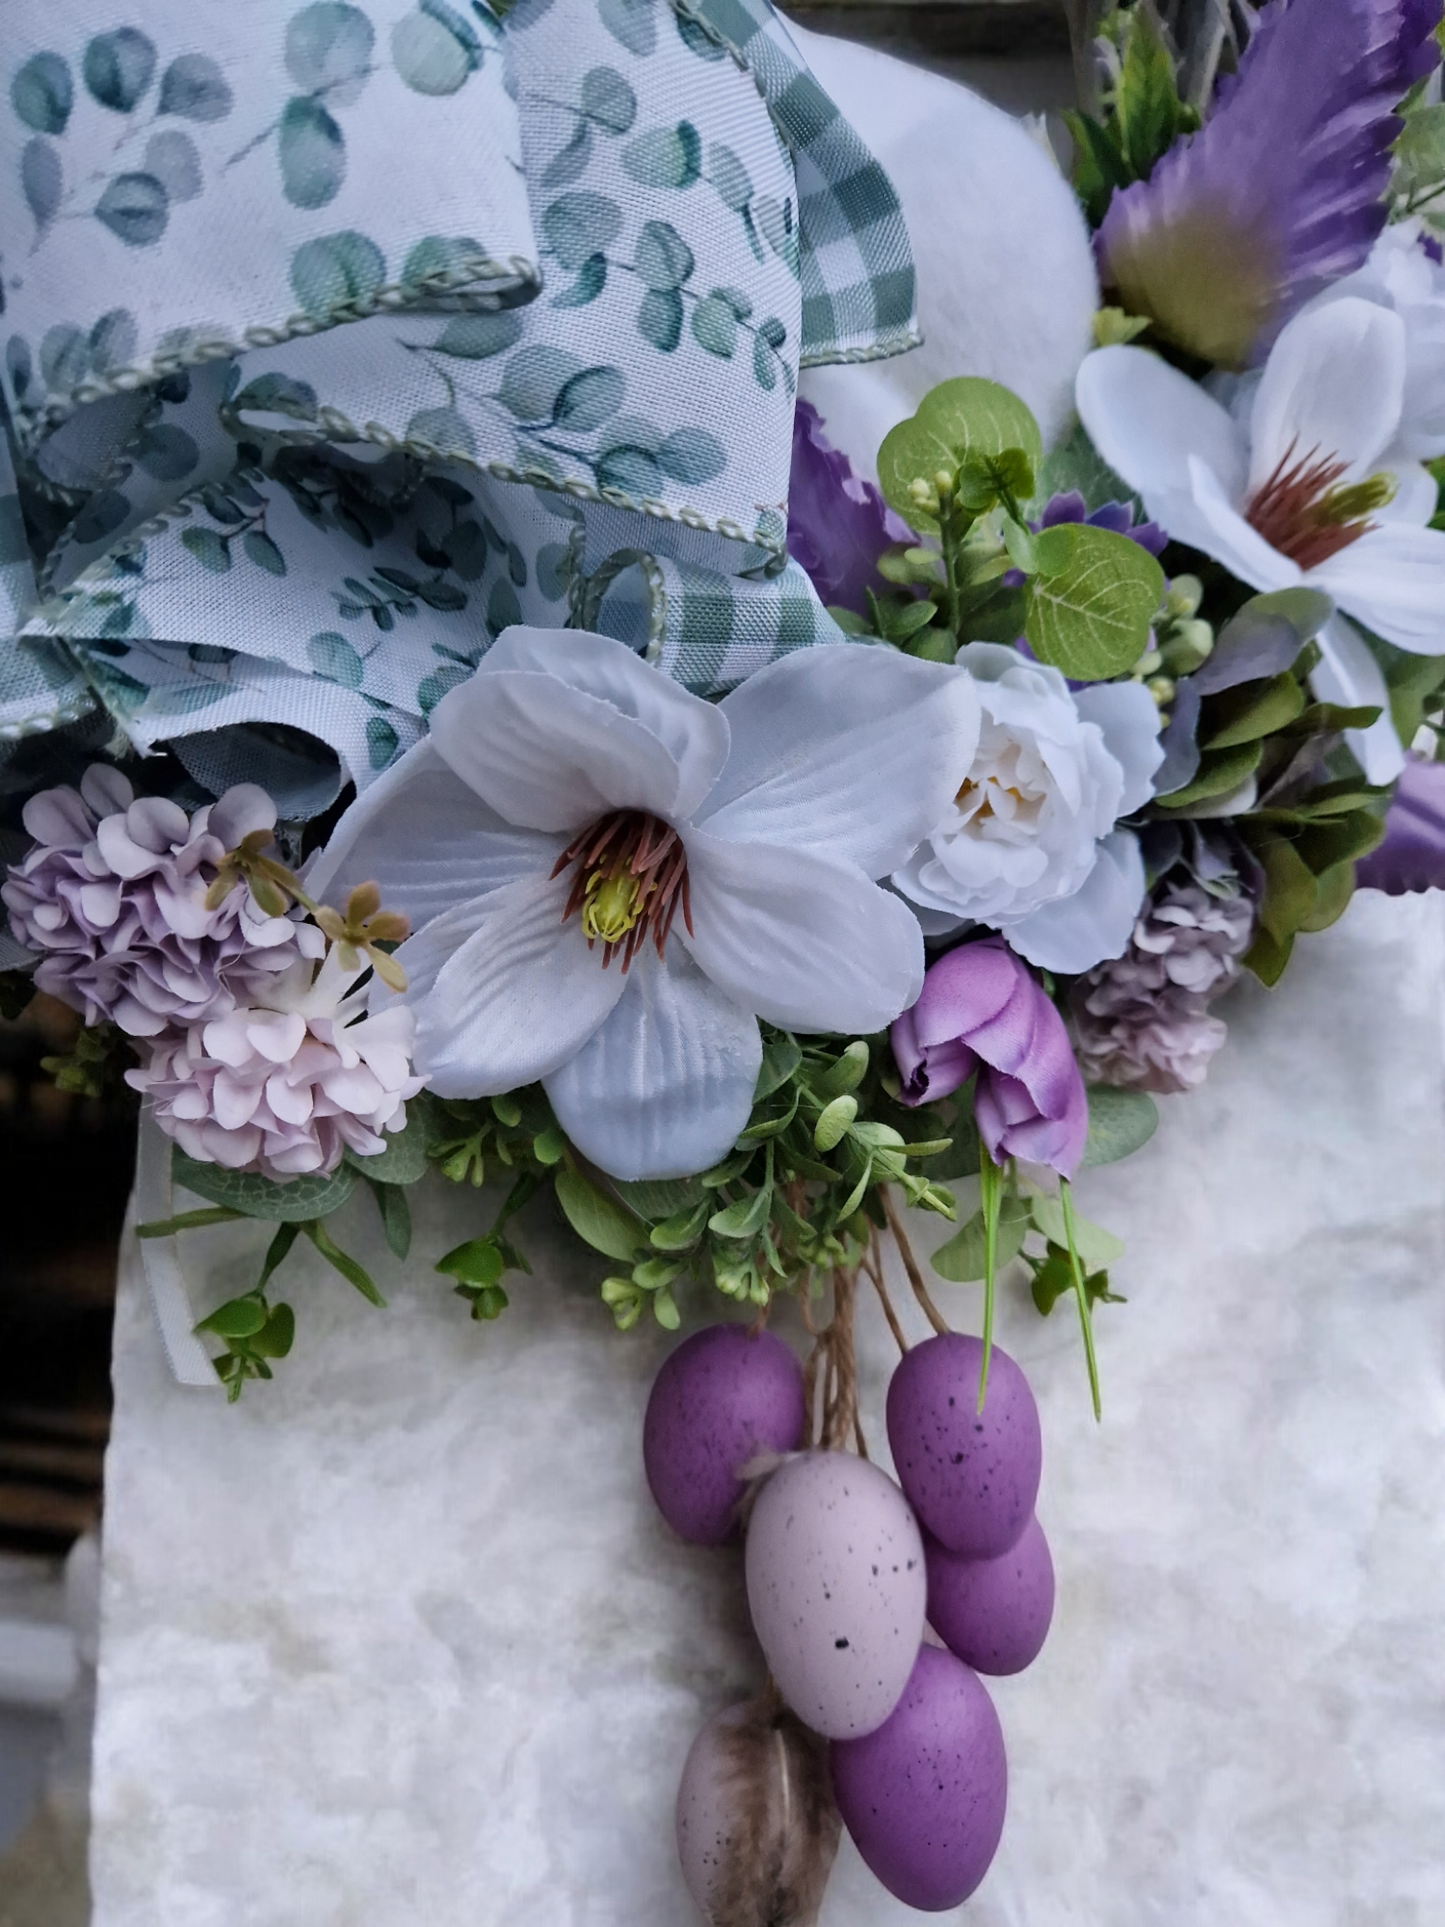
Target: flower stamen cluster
{"points": [[1301, 511], [631, 879]]}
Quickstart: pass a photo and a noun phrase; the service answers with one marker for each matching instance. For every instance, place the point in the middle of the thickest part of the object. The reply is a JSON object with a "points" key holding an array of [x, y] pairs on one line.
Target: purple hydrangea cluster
{"points": [[1142, 1021], [250, 1052], [113, 897]]}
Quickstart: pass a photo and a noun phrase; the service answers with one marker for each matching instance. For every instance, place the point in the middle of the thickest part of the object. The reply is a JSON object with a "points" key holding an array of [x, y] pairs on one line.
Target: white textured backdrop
{"points": [[400, 1642]]}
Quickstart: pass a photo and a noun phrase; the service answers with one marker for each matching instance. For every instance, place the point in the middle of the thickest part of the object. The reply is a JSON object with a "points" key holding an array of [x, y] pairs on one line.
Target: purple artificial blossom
{"points": [[1282, 191], [838, 524], [1116, 517], [1412, 856], [981, 1010], [113, 897]]}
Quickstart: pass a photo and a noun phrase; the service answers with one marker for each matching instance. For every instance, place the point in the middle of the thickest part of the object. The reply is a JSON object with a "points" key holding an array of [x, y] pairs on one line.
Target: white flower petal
{"points": [[516, 999], [691, 730], [1075, 933], [1147, 420], [807, 942], [1221, 531], [549, 757], [1393, 580], [1129, 717], [852, 751], [665, 1086], [1348, 674], [1416, 496], [427, 841], [1333, 386]]}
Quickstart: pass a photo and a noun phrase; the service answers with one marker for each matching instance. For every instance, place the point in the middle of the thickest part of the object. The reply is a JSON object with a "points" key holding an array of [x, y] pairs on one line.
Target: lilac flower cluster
{"points": [[248, 1048], [1142, 1021]]}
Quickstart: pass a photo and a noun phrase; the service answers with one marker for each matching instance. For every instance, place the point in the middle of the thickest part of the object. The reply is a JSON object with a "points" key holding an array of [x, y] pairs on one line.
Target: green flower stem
{"points": [[188, 1221], [1086, 1322], [991, 1196]]}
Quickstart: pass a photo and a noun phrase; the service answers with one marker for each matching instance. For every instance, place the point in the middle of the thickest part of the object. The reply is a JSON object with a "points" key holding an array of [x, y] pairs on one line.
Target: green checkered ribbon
{"points": [[854, 256], [706, 630]]}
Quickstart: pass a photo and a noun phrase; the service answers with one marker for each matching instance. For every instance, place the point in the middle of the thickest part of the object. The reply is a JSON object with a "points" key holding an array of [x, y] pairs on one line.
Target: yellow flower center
{"points": [[611, 907]]}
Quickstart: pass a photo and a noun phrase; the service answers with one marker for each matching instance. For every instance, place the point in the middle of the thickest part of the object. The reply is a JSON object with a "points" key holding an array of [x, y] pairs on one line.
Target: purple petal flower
{"points": [[838, 524], [1282, 191], [980, 1008], [1116, 517], [1412, 856]]}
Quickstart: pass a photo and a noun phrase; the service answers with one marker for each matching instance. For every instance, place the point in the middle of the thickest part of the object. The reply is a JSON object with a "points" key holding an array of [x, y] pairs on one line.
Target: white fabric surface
{"points": [[401, 1638]]}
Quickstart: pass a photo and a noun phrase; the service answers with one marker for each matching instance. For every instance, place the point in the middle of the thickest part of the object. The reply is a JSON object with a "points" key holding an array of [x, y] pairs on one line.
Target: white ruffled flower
{"points": [[1308, 490], [285, 1085], [1028, 844], [610, 881]]}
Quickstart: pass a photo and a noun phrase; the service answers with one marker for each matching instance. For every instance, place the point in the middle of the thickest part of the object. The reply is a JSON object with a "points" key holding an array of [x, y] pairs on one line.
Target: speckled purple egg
{"points": [[993, 1613], [723, 1396], [924, 1796], [837, 1589], [971, 1476]]}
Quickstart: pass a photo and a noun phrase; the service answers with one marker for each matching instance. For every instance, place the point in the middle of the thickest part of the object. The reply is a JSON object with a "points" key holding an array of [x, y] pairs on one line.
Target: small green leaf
{"points": [[336, 271], [118, 68], [1096, 1247], [239, 1318], [476, 337], [659, 320], [782, 1055], [960, 1260], [549, 1146], [682, 1231], [846, 1073], [663, 258], [833, 1124], [263, 552], [600, 1221], [341, 1261], [1090, 604], [1249, 711], [1120, 1122], [963, 418], [746, 1217], [665, 1311], [607, 99], [477, 1262], [277, 1335], [395, 1216], [579, 224], [507, 1111], [42, 93], [666, 157], [312, 151], [657, 1198], [1220, 773], [135, 207], [624, 1300]]}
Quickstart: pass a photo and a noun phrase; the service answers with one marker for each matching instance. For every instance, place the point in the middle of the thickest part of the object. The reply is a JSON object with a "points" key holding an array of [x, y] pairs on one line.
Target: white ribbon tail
{"points": [[188, 1358]]}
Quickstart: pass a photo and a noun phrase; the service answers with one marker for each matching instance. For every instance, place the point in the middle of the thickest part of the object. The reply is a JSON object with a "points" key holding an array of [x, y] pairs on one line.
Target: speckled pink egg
{"points": [[971, 1476], [722, 1397], [837, 1588], [924, 1796], [993, 1613]]}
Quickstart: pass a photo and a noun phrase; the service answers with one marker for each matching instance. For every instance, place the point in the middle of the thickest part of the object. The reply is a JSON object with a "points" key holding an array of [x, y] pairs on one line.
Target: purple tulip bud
{"points": [[981, 1009]]}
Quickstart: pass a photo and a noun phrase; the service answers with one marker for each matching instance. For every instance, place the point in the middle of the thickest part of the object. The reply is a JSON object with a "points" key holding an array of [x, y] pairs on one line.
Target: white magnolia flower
{"points": [[610, 881], [283, 1085], [1028, 843], [1305, 491], [1399, 275]]}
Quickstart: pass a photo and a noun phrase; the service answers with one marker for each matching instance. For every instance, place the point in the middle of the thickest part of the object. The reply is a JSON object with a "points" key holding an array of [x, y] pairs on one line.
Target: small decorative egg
{"points": [[971, 1476], [993, 1613], [723, 1396], [837, 1588], [757, 1829], [924, 1796]]}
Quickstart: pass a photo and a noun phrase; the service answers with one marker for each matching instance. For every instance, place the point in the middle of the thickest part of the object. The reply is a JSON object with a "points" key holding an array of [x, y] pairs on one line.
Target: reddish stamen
{"points": [[636, 844], [1291, 509]]}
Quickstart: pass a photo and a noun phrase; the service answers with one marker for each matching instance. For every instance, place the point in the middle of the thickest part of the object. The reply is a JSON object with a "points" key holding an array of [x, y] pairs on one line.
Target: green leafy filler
{"points": [[960, 472], [805, 1195]]}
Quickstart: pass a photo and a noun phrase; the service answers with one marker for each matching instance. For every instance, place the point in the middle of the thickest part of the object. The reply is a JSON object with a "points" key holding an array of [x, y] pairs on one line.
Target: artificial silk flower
{"points": [[981, 1012], [1282, 191], [1302, 490], [1402, 276], [1412, 855], [611, 881], [838, 524], [1028, 843]]}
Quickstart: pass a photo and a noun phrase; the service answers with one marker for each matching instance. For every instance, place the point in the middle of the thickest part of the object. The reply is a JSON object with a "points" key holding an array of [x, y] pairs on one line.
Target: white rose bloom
{"points": [[1029, 845]]}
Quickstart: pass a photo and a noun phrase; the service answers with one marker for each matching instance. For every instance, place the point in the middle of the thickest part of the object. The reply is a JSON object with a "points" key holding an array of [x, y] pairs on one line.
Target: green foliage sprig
{"points": [[960, 471], [1141, 113]]}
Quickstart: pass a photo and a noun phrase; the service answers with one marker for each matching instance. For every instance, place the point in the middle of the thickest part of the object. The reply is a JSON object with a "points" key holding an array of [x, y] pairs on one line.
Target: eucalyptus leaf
{"points": [[172, 157], [691, 456], [659, 318], [961, 1259], [665, 156], [263, 552], [135, 207], [311, 1195], [659, 1198], [631, 22], [328, 50], [118, 68], [579, 224], [313, 154], [588, 399], [194, 87], [591, 280], [165, 452], [663, 259], [1097, 1248], [1090, 605], [42, 180], [42, 93], [1120, 1122], [607, 99], [335, 271], [429, 54], [958, 419]]}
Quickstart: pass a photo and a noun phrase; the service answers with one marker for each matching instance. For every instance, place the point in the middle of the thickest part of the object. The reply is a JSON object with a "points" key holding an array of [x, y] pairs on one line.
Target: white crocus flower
{"points": [[1306, 491], [610, 881], [1028, 844]]}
